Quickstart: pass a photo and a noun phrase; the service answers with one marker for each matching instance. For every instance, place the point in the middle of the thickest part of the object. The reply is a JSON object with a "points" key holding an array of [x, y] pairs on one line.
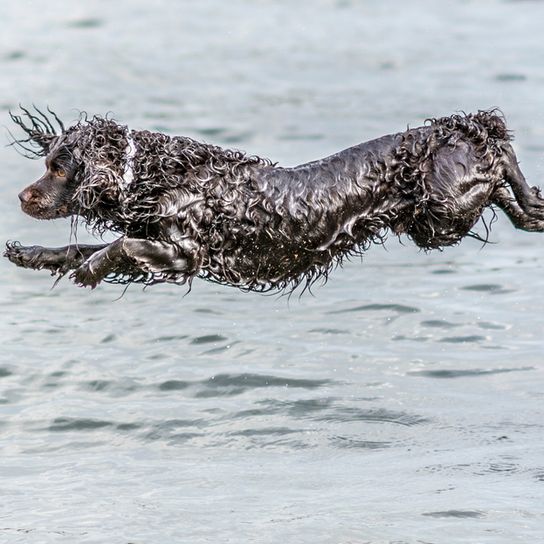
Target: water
{"points": [[402, 403]]}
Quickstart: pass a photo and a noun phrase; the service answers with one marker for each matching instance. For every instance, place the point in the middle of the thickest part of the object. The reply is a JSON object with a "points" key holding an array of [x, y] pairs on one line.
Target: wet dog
{"points": [[185, 209]]}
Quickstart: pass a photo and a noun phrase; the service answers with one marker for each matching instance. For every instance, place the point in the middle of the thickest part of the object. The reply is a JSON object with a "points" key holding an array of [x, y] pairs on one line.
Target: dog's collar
{"points": [[128, 174]]}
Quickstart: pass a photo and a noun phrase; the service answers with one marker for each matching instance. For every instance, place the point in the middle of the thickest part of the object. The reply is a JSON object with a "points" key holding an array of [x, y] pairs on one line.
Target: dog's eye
{"points": [[60, 173]]}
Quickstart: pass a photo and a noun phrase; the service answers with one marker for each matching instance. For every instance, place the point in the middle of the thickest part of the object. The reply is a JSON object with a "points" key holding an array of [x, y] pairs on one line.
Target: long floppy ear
{"points": [[39, 129], [99, 146], [100, 186], [97, 196]]}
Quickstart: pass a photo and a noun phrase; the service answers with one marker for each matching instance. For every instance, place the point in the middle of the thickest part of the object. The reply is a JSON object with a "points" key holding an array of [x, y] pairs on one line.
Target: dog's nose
{"points": [[25, 196]]}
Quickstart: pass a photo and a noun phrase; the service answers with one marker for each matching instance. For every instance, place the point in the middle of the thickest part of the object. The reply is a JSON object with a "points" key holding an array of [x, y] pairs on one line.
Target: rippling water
{"points": [[403, 402]]}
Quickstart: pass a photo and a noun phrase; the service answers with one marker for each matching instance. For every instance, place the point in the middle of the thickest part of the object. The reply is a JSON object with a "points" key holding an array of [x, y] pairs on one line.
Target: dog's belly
{"points": [[285, 251]]}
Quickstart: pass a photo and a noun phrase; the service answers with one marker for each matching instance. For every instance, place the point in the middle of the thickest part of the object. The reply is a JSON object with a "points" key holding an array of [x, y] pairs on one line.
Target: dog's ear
{"points": [[97, 194], [41, 134]]}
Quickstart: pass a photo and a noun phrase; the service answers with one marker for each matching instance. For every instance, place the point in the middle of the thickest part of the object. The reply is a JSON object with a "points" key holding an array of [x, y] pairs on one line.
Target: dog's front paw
{"points": [[91, 272], [25, 256], [84, 276]]}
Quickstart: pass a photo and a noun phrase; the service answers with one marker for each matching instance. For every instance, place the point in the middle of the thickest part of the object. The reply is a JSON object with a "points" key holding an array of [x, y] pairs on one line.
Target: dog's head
{"points": [[52, 195], [84, 166]]}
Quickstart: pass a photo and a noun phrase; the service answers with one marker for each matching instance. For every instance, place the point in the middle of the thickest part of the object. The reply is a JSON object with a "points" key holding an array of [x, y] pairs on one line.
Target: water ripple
{"points": [[276, 431], [379, 415], [492, 288], [174, 385], [471, 338], [439, 323], [208, 338], [445, 373], [78, 424], [236, 384], [352, 443], [4, 372], [398, 308], [455, 514], [85, 23], [483, 287]]}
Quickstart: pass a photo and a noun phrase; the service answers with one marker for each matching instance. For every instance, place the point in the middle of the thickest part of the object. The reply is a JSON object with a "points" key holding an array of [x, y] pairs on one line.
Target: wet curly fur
{"points": [[186, 208]]}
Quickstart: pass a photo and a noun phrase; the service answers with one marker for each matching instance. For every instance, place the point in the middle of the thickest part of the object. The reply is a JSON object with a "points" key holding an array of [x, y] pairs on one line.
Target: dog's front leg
{"points": [[58, 260], [137, 257]]}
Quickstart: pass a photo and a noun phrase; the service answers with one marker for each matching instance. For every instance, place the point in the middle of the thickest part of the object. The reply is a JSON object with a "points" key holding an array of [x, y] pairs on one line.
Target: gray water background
{"points": [[402, 403]]}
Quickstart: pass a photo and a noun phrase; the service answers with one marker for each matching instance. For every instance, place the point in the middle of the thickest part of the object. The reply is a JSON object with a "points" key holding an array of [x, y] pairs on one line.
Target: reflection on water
{"points": [[400, 403]]}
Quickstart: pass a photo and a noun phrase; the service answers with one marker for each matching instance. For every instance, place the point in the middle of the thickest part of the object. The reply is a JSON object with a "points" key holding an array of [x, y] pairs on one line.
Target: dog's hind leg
{"points": [[138, 258], [58, 260], [527, 197], [520, 219]]}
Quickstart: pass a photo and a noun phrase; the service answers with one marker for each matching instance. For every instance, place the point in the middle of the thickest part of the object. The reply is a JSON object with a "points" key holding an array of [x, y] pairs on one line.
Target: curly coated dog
{"points": [[185, 208]]}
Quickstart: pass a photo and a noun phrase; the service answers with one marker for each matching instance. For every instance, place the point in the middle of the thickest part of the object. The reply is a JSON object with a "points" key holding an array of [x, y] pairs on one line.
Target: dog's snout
{"points": [[25, 196]]}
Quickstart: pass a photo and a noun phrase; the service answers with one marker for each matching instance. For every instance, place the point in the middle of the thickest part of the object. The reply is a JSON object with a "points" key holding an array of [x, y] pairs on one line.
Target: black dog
{"points": [[186, 209]]}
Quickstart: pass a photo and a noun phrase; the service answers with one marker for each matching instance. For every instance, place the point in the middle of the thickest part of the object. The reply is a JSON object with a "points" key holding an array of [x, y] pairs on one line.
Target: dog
{"points": [[187, 209]]}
